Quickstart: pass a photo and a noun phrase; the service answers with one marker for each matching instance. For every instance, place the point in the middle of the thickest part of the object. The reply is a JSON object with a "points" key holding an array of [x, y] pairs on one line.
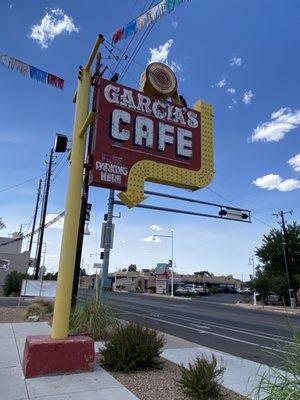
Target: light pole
{"points": [[172, 257], [252, 263]]}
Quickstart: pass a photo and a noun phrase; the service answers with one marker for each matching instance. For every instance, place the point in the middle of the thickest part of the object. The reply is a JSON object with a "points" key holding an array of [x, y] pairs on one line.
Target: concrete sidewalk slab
{"points": [[241, 375], [95, 385]]}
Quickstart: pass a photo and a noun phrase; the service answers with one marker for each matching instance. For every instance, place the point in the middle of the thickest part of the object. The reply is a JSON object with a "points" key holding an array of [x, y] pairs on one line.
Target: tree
{"points": [[203, 273], [13, 282], [272, 270], [50, 277], [271, 254], [2, 224], [261, 285], [132, 268]]}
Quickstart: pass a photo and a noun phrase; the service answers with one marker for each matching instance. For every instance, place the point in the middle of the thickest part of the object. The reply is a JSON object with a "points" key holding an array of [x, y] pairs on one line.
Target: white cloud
{"points": [[174, 24], [247, 97], [272, 181], [282, 122], [156, 228], [151, 239], [235, 61], [294, 162], [58, 224], [54, 23], [231, 90], [9, 138], [160, 53], [10, 6], [221, 83]]}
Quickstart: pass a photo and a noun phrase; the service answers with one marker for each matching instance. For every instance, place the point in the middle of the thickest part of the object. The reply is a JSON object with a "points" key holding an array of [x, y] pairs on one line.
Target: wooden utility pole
{"points": [[35, 215], [43, 217]]}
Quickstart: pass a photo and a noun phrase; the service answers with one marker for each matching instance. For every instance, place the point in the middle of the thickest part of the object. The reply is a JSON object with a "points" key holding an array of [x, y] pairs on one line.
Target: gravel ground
{"points": [[11, 314], [15, 314], [160, 384]]}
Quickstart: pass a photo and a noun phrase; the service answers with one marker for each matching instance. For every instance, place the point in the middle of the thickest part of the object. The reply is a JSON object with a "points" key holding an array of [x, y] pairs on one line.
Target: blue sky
{"points": [[238, 56]]}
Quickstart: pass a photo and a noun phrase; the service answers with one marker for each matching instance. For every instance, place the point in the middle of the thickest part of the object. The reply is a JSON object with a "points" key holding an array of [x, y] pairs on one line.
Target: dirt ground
{"points": [[11, 314], [160, 384]]}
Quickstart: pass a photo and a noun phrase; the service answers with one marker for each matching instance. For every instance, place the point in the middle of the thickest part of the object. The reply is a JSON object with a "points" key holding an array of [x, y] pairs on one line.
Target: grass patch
{"points": [[93, 317]]}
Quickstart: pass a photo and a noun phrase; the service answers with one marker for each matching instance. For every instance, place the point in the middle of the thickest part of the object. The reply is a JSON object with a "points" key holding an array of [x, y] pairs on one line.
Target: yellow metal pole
{"points": [[89, 119], [60, 326]]}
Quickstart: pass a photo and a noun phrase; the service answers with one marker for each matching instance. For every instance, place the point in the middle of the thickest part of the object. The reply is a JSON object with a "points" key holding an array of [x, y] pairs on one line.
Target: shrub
{"points": [[279, 385], [13, 282], [133, 348], [201, 380], [92, 317], [214, 290], [40, 307], [34, 309], [48, 305]]}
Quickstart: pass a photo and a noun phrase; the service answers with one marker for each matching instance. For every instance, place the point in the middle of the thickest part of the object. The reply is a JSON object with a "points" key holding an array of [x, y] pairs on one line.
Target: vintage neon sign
{"points": [[139, 137]]}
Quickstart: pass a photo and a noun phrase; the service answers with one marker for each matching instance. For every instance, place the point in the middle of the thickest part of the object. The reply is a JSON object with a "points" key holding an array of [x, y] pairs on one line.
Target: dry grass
{"points": [[11, 314]]}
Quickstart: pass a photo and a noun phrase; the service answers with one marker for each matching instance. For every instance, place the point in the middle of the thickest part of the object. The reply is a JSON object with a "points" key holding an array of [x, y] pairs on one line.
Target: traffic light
{"points": [[170, 264], [60, 143], [105, 217], [102, 255], [80, 72], [88, 212]]}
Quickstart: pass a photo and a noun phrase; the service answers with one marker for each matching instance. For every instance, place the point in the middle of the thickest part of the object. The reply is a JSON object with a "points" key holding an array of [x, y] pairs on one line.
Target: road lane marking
{"points": [[208, 333], [245, 331]]}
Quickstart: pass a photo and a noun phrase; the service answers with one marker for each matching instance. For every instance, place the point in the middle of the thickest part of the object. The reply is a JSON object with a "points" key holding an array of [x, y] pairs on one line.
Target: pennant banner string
{"points": [[30, 71], [149, 17]]}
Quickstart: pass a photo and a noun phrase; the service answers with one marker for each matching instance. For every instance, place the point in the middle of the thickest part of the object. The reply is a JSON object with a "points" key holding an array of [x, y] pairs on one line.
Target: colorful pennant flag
{"points": [[32, 72], [149, 17]]}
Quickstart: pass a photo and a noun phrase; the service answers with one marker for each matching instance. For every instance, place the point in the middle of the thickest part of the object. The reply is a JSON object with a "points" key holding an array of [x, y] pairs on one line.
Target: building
{"points": [[133, 281], [12, 258]]}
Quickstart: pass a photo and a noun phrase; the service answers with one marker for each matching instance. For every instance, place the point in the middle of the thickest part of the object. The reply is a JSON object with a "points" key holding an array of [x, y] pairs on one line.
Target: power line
{"points": [[22, 183]]}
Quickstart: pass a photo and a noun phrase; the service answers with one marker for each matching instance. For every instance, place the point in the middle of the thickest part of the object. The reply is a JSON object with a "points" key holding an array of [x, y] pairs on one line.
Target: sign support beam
{"points": [[60, 327]]}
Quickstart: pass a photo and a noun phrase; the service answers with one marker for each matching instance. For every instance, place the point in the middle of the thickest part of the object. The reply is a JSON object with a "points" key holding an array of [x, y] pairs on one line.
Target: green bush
{"points": [[93, 317], [214, 290], [13, 282], [133, 348], [201, 380], [280, 385]]}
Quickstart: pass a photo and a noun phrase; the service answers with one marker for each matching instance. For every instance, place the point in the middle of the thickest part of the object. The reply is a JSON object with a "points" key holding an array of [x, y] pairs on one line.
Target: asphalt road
{"points": [[255, 335]]}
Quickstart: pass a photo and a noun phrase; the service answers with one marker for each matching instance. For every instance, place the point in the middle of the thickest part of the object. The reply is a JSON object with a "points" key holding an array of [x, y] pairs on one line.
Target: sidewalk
{"points": [[241, 375], [276, 309], [91, 385]]}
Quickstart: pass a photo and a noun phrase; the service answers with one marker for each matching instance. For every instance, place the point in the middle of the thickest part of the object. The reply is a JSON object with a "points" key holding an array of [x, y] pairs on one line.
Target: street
{"points": [[209, 321]]}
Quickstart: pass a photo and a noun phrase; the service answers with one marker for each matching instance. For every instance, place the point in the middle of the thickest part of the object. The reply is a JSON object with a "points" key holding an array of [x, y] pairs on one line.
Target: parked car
{"points": [[184, 291], [201, 290], [244, 291]]}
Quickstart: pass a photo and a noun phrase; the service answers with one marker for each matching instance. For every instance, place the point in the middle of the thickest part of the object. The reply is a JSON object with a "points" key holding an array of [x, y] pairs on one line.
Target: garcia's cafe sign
{"points": [[149, 135]]}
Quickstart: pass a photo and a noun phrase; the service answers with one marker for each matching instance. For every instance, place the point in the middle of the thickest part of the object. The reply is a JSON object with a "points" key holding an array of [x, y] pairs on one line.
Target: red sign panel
{"points": [[131, 126]]}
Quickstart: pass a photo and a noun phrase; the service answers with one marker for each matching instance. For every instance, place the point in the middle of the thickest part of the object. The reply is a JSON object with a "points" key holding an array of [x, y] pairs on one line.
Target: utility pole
{"points": [[43, 217], [35, 215], [280, 215], [107, 243], [84, 200]]}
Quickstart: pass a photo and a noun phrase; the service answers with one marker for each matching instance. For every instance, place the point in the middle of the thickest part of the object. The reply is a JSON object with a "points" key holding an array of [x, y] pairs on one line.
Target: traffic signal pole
{"points": [[60, 326]]}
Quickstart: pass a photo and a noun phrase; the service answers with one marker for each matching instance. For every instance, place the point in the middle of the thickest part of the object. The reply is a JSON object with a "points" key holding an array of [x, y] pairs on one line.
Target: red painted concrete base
{"points": [[46, 356]]}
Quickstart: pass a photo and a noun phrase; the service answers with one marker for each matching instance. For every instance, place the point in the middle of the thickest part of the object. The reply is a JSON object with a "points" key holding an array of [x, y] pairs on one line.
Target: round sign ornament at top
{"points": [[161, 79]]}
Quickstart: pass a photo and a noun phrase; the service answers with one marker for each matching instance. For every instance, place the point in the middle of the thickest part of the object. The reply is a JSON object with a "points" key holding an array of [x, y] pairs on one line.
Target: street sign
{"points": [[104, 236], [140, 137], [97, 265]]}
